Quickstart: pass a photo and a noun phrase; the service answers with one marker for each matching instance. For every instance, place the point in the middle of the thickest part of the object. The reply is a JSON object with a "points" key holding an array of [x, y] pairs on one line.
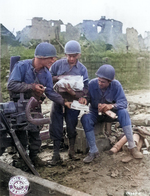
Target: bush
{"points": [[131, 71]]}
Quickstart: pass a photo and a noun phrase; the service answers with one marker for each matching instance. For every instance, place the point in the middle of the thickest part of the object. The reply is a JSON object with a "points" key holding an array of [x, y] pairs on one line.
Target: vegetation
{"points": [[132, 69]]}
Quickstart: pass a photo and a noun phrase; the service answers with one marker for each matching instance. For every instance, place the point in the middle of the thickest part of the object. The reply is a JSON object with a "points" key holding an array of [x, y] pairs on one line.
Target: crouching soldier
{"points": [[106, 93]]}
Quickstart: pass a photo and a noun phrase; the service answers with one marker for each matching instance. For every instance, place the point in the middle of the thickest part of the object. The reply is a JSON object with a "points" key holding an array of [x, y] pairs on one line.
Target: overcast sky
{"points": [[16, 14]]}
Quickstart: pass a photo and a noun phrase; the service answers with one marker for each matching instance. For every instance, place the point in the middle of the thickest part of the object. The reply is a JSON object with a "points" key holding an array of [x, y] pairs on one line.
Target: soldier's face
{"points": [[103, 83], [49, 61], [44, 62], [72, 58]]}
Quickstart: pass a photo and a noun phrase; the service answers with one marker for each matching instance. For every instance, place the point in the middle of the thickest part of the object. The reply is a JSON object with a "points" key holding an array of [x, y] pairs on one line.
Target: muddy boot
{"points": [[38, 162], [56, 160], [71, 151], [135, 153], [91, 157], [93, 152], [19, 163]]}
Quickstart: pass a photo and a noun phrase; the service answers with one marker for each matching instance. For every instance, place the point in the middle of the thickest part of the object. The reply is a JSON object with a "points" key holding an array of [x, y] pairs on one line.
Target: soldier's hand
{"points": [[55, 79], [82, 100], [38, 88], [104, 107], [68, 104], [69, 89]]}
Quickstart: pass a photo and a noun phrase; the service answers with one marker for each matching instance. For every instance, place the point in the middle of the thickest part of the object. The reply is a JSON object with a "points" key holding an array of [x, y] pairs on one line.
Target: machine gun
{"points": [[16, 116]]}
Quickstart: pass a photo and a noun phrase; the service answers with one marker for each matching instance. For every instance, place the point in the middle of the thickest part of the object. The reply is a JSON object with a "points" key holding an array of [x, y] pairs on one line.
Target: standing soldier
{"points": [[67, 66], [32, 78]]}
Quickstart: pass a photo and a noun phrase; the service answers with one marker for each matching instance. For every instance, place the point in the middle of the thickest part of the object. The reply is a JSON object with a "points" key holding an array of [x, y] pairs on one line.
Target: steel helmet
{"points": [[72, 47], [45, 50], [106, 71]]}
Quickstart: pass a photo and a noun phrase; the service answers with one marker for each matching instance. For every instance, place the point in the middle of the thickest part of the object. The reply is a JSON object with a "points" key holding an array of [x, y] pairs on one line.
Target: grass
{"points": [[131, 71]]}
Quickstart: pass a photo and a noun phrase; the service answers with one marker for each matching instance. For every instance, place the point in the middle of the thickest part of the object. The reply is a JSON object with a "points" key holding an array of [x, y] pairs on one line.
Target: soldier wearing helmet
{"points": [[106, 93], [67, 66], [32, 78]]}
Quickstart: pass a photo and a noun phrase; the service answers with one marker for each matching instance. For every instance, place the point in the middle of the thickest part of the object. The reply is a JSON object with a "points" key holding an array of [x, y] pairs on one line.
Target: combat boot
{"points": [[19, 163], [91, 157], [71, 151], [37, 162], [135, 153], [56, 160]]}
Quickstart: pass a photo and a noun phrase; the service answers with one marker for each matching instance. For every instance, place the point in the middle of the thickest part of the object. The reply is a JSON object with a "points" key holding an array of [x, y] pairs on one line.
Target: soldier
{"points": [[106, 93], [32, 78], [67, 66]]}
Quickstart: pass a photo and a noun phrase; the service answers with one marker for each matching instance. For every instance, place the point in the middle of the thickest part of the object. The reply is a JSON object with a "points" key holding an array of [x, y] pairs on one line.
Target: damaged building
{"points": [[39, 30], [7, 36], [107, 30]]}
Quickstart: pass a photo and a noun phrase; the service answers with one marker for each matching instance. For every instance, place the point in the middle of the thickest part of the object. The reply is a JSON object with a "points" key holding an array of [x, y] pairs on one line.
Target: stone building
{"points": [[132, 39], [107, 30], [141, 42], [40, 30], [108, 27], [147, 40], [103, 29]]}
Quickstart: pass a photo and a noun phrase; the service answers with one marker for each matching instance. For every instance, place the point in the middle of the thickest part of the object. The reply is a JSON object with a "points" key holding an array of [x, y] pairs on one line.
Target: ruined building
{"points": [[147, 40], [107, 30], [39, 30], [132, 38]]}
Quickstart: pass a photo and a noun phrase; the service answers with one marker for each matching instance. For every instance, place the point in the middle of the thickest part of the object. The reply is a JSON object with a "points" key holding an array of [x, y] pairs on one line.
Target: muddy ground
{"points": [[106, 175]]}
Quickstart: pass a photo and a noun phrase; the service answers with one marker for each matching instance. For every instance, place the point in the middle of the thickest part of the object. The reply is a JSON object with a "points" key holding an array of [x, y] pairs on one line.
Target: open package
{"points": [[75, 82]]}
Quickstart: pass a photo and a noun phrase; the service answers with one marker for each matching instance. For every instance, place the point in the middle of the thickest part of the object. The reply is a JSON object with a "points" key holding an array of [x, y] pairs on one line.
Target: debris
{"points": [[140, 143], [147, 144], [146, 152], [118, 145], [114, 173], [143, 131], [136, 138], [127, 159], [127, 168]]}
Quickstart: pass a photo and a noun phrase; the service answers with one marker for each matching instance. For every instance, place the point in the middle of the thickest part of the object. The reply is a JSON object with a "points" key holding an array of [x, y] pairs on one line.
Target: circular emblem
{"points": [[18, 185]]}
